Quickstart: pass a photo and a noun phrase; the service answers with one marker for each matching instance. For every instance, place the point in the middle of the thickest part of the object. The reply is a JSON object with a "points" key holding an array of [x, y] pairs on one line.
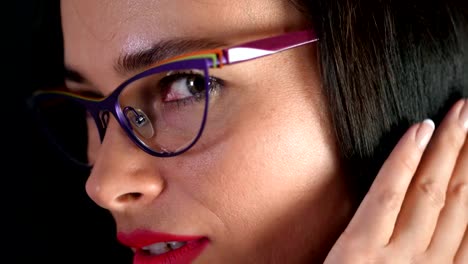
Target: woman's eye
{"points": [[184, 86]]}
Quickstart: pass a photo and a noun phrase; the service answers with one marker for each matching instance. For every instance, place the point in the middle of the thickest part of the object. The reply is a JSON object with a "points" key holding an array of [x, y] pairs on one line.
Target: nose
{"points": [[123, 175]]}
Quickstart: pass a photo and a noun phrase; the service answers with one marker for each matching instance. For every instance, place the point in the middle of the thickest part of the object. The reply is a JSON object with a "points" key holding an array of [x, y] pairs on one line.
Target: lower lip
{"points": [[183, 255]]}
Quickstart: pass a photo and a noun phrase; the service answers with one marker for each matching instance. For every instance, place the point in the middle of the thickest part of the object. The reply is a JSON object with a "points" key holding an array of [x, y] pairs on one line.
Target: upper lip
{"points": [[141, 238]]}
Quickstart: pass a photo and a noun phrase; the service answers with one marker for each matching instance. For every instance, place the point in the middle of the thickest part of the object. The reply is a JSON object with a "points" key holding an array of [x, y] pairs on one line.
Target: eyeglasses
{"points": [[163, 110]]}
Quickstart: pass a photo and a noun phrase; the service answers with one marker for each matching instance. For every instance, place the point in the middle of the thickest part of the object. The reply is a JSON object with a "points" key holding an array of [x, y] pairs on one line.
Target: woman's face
{"points": [[270, 189]]}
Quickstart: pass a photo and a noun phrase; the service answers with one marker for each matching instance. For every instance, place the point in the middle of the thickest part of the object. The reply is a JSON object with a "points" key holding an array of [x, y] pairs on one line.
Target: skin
{"points": [[265, 192], [255, 206]]}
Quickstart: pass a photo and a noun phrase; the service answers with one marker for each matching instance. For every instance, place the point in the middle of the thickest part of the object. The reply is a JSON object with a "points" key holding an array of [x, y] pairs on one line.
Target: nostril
{"points": [[129, 197], [119, 190]]}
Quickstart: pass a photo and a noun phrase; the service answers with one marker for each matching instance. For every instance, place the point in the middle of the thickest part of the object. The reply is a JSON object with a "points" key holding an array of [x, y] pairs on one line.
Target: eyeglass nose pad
{"points": [[139, 121]]}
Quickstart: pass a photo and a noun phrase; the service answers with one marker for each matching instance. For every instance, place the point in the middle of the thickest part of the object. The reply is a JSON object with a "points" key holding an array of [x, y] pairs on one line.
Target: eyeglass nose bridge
{"points": [[139, 121]]}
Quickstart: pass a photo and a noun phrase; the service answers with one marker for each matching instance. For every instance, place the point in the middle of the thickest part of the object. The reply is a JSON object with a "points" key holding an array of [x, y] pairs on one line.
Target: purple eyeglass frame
{"points": [[202, 60]]}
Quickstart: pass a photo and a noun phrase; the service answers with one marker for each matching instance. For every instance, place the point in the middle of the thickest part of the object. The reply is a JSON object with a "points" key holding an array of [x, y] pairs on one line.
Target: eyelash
{"points": [[215, 85]]}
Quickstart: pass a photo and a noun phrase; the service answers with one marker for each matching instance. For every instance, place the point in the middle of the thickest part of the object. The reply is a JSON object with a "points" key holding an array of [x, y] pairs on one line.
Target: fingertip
{"points": [[464, 115], [424, 133], [429, 122]]}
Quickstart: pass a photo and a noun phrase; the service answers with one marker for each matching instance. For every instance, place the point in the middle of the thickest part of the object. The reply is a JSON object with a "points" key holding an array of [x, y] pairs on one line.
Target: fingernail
{"points": [[424, 133], [464, 115]]}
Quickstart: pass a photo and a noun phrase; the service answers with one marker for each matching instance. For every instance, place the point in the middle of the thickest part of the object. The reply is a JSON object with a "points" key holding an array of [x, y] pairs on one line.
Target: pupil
{"points": [[196, 84]]}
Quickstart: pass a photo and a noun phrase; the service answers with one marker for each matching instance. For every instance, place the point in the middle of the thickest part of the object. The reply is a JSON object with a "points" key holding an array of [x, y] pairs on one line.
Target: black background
{"points": [[47, 215]]}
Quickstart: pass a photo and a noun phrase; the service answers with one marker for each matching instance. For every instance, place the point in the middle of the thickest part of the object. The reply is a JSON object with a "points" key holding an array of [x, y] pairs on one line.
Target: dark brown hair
{"points": [[387, 64]]}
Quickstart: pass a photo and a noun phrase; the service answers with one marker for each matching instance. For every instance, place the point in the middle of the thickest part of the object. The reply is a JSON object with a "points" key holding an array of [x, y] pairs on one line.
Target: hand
{"points": [[416, 211]]}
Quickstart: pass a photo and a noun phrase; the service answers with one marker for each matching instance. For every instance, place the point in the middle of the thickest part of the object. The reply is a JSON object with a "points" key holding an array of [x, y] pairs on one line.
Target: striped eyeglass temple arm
{"points": [[267, 46]]}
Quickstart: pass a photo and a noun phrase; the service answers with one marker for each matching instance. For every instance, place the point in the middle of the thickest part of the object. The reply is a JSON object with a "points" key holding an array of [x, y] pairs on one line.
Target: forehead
{"points": [[105, 17], [150, 20]]}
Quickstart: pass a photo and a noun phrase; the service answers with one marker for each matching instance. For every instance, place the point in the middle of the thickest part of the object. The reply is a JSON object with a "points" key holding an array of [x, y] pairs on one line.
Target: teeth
{"points": [[163, 247], [176, 245], [157, 249]]}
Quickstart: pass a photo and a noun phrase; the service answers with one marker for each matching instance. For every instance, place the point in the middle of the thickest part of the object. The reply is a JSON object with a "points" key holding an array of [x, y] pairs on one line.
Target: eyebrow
{"points": [[162, 50]]}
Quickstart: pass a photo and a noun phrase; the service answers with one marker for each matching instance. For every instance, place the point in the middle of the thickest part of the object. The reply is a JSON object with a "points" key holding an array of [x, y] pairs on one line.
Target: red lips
{"points": [[142, 238]]}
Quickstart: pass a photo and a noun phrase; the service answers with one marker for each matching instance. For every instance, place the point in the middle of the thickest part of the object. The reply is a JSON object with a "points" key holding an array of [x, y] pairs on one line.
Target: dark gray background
{"points": [[47, 215]]}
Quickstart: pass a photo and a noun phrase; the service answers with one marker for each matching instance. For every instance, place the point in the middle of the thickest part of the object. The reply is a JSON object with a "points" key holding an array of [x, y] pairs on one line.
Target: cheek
{"points": [[270, 185]]}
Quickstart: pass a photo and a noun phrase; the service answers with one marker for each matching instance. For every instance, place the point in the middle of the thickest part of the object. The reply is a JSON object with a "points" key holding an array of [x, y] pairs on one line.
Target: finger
{"points": [[462, 254], [426, 195], [454, 217], [375, 218]]}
